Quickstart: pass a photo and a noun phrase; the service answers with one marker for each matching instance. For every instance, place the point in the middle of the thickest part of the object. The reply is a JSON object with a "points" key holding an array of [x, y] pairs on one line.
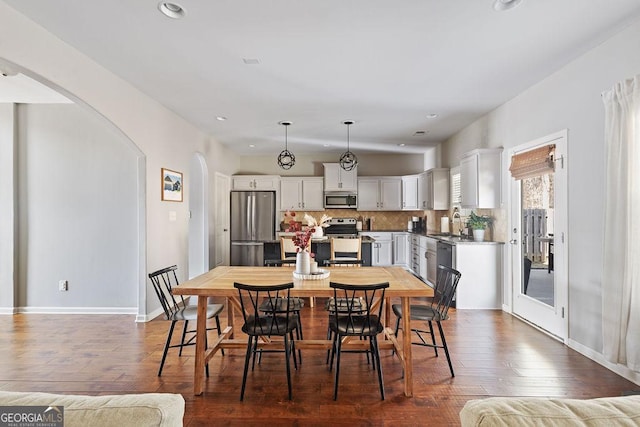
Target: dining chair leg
{"points": [[338, 347], [433, 337], [376, 355], [166, 346], [373, 357], [299, 334], [255, 351], [334, 348], [184, 334], [286, 356], [446, 350], [292, 344], [219, 332], [246, 365]]}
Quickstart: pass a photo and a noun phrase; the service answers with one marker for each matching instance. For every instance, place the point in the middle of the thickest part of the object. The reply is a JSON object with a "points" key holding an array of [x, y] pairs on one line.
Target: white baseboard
{"points": [[623, 371], [78, 310], [8, 310], [150, 316]]}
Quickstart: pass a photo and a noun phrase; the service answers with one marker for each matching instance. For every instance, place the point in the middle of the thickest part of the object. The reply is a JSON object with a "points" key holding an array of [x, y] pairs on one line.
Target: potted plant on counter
{"points": [[478, 223]]}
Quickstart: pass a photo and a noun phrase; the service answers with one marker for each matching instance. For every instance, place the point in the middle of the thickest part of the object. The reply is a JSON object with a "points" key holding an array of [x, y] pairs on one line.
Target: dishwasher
{"points": [[446, 256]]}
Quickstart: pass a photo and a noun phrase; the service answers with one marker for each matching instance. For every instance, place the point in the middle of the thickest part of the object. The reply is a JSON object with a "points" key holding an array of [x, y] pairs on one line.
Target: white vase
{"points": [[303, 262], [318, 233], [478, 235]]}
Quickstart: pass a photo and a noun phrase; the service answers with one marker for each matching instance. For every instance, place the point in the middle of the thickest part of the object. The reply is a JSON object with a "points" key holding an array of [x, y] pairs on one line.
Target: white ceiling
{"points": [[384, 64]]}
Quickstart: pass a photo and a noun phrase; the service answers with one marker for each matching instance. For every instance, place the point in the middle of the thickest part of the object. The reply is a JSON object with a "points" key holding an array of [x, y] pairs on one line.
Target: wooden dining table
{"points": [[219, 283]]}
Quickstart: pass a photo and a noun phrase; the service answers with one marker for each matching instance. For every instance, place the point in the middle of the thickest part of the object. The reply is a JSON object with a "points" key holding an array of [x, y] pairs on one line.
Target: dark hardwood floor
{"points": [[494, 354]]}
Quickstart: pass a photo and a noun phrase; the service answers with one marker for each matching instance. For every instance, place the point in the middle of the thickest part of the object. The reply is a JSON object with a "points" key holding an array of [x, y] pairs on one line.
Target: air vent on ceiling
{"points": [[250, 61]]}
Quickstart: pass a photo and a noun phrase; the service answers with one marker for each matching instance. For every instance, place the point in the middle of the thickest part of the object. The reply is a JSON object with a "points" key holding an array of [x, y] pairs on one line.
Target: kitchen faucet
{"points": [[456, 214]]}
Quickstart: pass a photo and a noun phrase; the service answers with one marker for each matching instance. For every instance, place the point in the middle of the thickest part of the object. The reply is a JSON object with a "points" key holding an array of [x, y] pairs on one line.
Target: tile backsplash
{"points": [[381, 220]]}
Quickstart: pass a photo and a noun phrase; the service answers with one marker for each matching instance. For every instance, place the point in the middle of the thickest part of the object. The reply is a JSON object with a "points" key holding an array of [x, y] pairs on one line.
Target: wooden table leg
{"points": [[201, 330], [406, 346]]}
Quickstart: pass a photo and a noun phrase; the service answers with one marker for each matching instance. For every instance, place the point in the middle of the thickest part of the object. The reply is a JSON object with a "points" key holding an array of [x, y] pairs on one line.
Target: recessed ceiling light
{"points": [[432, 116], [221, 118], [401, 145], [252, 145], [420, 133], [171, 10], [501, 5], [326, 145], [250, 61]]}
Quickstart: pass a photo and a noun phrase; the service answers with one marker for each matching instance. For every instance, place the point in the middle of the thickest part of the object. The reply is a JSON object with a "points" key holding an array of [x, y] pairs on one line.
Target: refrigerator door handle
{"points": [[253, 216]]}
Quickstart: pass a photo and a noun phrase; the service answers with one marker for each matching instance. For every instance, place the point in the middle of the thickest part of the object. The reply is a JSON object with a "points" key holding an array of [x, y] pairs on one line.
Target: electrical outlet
{"points": [[63, 285]]}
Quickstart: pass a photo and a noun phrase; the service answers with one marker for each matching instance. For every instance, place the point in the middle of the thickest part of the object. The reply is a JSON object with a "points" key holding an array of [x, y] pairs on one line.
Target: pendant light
{"points": [[286, 159], [348, 160]]}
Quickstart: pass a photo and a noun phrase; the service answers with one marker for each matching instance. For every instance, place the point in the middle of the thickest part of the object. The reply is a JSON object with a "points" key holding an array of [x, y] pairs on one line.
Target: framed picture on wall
{"points": [[171, 185]]}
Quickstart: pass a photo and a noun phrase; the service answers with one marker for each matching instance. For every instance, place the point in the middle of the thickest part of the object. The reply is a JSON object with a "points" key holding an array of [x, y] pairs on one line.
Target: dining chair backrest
{"points": [[266, 308], [362, 307], [163, 282], [346, 249], [288, 249], [445, 289]]}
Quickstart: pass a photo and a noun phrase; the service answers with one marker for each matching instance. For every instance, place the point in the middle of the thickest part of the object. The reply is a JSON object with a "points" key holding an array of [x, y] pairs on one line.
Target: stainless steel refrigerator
{"points": [[253, 219]]}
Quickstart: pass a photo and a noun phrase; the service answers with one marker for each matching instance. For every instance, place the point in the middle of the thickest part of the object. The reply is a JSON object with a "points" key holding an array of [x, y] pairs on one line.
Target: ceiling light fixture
{"points": [[348, 160], [171, 10], [432, 116], [221, 118], [501, 5], [286, 159]]}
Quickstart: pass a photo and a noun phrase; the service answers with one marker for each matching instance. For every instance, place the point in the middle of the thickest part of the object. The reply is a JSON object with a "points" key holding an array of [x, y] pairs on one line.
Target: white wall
{"points": [[77, 208], [163, 138], [570, 98], [7, 208]]}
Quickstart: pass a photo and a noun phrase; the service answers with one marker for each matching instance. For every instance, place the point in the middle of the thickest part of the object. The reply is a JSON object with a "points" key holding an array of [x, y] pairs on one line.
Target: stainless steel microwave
{"points": [[340, 200]]}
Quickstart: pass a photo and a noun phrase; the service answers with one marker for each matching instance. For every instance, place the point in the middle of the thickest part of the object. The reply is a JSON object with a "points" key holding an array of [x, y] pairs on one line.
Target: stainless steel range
{"points": [[342, 228]]}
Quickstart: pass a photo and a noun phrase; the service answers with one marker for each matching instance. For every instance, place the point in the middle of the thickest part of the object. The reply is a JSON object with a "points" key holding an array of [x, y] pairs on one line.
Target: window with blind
{"points": [[536, 162], [456, 197]]}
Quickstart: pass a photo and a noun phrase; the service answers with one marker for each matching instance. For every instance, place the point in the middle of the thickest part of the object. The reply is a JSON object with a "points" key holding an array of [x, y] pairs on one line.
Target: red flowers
{"points": [[302, 238]]}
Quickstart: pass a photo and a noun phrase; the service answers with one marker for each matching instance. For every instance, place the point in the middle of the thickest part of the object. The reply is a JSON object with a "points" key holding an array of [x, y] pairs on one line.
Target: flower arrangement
{"points": [[302, 238]]}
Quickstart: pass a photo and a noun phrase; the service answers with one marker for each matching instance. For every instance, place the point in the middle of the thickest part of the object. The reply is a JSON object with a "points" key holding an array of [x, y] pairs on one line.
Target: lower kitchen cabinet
{"points": [[480, 285], [381, 248], [401, 249]]}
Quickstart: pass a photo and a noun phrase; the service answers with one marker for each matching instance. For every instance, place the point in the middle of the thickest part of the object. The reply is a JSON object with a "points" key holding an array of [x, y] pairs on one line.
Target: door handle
{"points": [[513, 242]]}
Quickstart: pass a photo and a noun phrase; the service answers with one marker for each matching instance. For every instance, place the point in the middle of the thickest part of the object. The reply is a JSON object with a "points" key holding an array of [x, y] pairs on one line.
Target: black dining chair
{"points": [[273, 318], [357, 320], [178, 309], [436, 311]]}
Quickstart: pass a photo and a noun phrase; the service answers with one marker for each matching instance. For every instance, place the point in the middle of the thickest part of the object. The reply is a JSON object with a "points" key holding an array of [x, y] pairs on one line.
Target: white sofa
{"points": [[505, 411], [140, 410]]}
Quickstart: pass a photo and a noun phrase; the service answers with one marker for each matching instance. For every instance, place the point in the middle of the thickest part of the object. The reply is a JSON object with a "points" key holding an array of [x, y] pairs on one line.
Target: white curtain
{"points": [[621, 270]]}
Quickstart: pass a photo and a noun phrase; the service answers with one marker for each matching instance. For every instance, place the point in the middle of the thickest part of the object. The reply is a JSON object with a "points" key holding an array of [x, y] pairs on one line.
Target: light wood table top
{"points": [[219, 281]]}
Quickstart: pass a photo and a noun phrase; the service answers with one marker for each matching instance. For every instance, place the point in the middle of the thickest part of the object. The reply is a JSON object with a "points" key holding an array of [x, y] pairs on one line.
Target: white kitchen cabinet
{"points": [[454, 179], [410, 192], [437, 184], [255, 182], [422, 191], [381, 248], [380, 193], [432, 262], [401, 249], [480, 183], [338, 179], [301, 193], [480, 285], [418, 259]]}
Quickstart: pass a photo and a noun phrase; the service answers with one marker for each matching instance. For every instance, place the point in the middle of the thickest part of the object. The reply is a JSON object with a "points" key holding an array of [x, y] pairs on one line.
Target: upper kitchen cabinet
{"points": [[438, 189], [301, 193], [480, 184], [433, 189], [255, 182], [380, 193], [338, 179], [410, 192]]}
